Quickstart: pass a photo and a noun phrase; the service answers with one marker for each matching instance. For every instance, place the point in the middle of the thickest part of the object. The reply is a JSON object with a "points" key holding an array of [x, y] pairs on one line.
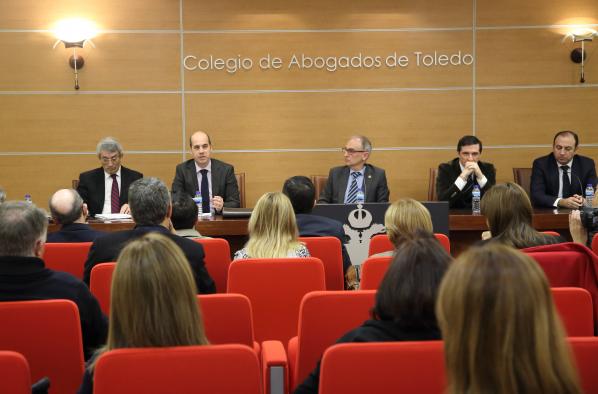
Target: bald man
{"points": [[207, 175], [69, 210]]}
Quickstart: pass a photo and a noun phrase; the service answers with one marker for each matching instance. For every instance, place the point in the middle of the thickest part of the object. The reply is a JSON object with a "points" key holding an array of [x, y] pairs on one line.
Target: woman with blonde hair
{"points": [[272, 230], [404, 219], [508, 211], [501, 331], [153, 300]]}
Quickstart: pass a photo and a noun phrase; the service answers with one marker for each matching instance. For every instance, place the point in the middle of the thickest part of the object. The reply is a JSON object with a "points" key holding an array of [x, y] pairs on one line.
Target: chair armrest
{"points": [[274, 368]]}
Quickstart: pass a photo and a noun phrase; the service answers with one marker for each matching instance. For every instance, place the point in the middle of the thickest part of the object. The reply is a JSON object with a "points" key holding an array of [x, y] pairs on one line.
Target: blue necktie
{"points": [[353, 189]]}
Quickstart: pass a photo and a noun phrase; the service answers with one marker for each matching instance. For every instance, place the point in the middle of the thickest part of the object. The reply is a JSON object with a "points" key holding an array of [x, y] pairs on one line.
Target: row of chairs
{"points": [[56, 350]]}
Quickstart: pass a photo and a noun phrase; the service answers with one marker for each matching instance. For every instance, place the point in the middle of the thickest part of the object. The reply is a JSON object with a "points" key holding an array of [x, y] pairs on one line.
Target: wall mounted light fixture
{"points": [[75, 33], [578, 55]]}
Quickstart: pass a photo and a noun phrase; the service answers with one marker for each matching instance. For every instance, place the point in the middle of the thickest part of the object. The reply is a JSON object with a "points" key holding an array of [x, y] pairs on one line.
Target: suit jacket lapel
{"points": [[192, 175], [124, 184], [217, 176], [342, 185], [576, 177], [553, 170], [367, 183]]}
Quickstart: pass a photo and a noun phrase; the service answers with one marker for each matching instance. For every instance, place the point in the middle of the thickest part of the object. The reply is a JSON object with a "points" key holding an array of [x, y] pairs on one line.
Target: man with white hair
{"points": [[69, 210], [106, 189]]}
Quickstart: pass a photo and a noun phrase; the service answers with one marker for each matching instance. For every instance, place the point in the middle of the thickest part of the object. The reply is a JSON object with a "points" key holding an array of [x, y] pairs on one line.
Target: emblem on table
{"points": [[360, 231]]}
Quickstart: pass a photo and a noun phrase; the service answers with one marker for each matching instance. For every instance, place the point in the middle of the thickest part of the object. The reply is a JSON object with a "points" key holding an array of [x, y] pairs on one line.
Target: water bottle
{"points": [[589, 195], [475, 200], [28, 198], [360, 197], [198, 201]]}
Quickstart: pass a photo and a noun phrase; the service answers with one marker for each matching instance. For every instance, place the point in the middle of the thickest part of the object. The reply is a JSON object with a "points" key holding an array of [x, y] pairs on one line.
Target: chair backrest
{"points": [[407, 367], [381, 243], [75, 184], [276, 288], [319, 182], [574, 305], [240, 177], [217, 260], [328, 249], [14, 373], [67, 257], [100, 284], [373, 270], [595, 244], [185, 369], [523, 177], [432, 174], [48, 334], [585, 352], [324, 317]]}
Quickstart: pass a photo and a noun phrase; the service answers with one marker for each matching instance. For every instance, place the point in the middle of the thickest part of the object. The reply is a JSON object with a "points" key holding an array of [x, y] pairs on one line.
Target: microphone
{"points": [[581, 188]]}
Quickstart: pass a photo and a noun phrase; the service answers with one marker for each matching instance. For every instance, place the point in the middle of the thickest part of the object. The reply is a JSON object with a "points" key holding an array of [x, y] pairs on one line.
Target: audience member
{"points": [[153, 302], [404, 309], [403, 219], [272, 230], [356, 175], [508, 212], [24, 277], [69, 210], [151, 209], [501, 331], [184, 216], [106, 189]]}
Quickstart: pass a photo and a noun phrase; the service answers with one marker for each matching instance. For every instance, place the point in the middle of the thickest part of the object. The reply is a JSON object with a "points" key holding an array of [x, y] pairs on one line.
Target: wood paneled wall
{"points": [[519, 91]]}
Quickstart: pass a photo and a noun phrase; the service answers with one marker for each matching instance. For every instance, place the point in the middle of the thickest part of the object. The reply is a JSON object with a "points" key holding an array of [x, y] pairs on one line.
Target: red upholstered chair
{"points": [[328, 249], [67, 257], [217, 260], [585, 351], [324, 317], [595, 244], [574, 305], [14, 373], [381, 243], [372, 272], [553, 233], [48, 334], [276, 288], [100, 284], [185, 369], [407, 367]]}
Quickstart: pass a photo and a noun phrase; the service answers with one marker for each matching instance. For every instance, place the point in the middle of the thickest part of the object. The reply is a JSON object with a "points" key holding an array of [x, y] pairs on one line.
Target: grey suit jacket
{"points": [[224, 183], [375, 186]]}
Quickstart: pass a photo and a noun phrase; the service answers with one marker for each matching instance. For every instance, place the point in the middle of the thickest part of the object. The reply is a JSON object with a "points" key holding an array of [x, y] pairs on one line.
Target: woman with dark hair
{"points": [[404, 309]]}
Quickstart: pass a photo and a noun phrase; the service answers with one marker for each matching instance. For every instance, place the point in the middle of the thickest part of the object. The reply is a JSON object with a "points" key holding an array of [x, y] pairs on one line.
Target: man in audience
{"points": [[347, 182], [560, 178], [23, 276], [106, 189], [69, 210], [184, 216], [300, 190], [456, 179], [214, 179], [151, 209]]}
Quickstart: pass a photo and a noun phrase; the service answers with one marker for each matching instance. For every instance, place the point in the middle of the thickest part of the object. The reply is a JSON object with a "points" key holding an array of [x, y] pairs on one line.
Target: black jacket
{"points": [[74, 232], [106, 249], [447, 191]]}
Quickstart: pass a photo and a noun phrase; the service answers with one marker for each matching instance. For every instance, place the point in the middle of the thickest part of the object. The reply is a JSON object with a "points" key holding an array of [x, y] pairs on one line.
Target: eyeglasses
{"points": [[351, 151], [105, 159]]}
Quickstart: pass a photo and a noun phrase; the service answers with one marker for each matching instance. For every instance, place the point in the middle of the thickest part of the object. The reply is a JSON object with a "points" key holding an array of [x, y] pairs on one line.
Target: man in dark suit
{"points": [[98, 187], [560, 178], [69, 210], [210, 177], [346, 183], [151, 209], [456, 179]]}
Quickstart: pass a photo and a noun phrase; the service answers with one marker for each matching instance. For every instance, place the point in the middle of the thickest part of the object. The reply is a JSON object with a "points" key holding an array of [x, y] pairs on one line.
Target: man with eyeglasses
{"points": [[560, 178], [347, 183], [106, 189], [456, 179]]}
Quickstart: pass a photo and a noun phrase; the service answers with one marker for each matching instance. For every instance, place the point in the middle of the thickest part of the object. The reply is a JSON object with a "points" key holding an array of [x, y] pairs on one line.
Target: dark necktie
{"points": [[566, 182], [353, 189], [205, 192], [114, 195]]}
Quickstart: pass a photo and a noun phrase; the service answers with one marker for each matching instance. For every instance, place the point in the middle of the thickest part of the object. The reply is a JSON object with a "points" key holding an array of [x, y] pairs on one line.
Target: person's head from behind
{"points": [[500, 328], [272, 227], [153, 301], [302, 193], [404, 218], [149, 201], [407, 293], [184, 212], [23, 228], [67, 207]]}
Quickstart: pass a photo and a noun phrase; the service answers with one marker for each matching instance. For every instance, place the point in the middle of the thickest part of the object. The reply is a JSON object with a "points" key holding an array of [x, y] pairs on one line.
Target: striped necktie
{"points": [[353, 189], [114, 195]]}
